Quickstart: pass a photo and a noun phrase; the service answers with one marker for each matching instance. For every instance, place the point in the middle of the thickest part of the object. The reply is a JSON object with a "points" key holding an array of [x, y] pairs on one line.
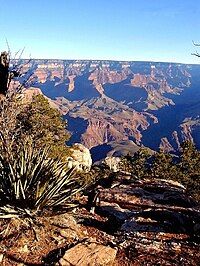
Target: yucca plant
{"points": [[30, 182]]}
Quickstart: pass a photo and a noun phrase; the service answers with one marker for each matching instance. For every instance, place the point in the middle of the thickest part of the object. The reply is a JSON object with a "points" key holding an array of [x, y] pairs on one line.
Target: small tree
{"points": [[189, 159], [189, 168], [162, 166], [30, 180], [36, 119], [45, 126], [136, 164]]}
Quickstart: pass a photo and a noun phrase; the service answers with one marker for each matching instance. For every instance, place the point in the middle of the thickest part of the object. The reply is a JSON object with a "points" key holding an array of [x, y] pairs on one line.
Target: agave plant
{"points": [[31, 182]]}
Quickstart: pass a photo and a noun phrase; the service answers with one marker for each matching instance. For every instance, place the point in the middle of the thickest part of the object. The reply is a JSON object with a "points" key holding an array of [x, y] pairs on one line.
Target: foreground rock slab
{"points": [[89, 254], [21, 243]]}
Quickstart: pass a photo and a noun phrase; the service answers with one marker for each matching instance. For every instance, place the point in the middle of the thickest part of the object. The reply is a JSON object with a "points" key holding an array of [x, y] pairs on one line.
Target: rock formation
{"points": [[112, 163], [136, 222], [80, 158], [89, 254], [119, 101]]}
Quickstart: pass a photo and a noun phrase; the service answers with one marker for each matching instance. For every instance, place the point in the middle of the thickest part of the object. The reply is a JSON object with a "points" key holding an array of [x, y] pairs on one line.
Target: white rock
{"points": [[80, 158], [112, 163]]}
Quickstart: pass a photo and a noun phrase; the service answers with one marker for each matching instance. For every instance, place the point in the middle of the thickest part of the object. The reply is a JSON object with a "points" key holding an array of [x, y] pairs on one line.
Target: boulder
{"points": [[89, 254], [41, 243], [80, 158], [113, 209], [112, 163], [150, 205], [67, 227]]}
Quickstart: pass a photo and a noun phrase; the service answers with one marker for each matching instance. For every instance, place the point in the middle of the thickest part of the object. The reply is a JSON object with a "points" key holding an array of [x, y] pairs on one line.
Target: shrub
{"points": [[189, 169], [184, 168], [163, 166], [45, 125], [137, 164], [36, 120], [32, 177], [30, 182], [95, 174]]}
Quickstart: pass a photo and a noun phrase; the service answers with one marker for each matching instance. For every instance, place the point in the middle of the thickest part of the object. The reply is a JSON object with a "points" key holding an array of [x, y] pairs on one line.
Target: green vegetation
{"points": [[184, 168], [31, 182], [96, 173], [45, 126], [163, 166], [137, 164], [189, 169], [35, 120], [33, 177]]}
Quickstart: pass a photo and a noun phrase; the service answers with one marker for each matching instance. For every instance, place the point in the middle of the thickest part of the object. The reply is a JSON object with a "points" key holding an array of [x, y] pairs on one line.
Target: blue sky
{"points": [[157, 30]]}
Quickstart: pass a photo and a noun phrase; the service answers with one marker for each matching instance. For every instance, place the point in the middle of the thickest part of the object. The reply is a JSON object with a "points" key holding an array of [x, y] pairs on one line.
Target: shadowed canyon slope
{"points": [[152, 104]]}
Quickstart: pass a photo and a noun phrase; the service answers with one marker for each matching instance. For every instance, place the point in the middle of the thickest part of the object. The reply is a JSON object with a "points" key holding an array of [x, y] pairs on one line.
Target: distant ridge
{"points": [[151, 103]]}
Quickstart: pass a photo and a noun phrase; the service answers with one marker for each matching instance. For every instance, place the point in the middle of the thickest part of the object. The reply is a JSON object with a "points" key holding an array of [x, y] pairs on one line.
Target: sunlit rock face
{"points": [[80, 158], [113, 163], [115, 101]]}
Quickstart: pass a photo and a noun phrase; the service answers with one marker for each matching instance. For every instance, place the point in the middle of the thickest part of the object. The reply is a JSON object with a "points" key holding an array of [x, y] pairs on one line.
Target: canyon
{"points": [[131, 104]]}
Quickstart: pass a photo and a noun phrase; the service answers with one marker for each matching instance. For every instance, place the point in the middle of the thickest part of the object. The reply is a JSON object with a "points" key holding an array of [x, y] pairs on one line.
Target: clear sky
{"points": [[157, 30]]}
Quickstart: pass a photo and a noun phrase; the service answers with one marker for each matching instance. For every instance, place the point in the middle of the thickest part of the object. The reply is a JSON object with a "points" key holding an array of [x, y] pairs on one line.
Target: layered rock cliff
{"points": [[114, 101]]}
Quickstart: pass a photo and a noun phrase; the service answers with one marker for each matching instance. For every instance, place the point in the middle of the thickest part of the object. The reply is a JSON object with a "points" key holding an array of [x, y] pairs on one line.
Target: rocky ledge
{"points": [[134, 222]]}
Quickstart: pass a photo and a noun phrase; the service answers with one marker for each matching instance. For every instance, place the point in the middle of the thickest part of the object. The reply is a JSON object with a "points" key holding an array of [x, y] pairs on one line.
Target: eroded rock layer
{"points": [[117, 101]]}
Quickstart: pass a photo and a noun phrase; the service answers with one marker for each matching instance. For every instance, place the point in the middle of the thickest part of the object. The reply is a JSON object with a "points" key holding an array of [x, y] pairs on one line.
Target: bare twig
{"points": [[196, 44], [196, 54]]}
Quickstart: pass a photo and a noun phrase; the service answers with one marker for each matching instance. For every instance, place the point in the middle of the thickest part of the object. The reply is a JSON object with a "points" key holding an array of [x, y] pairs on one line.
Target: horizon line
{"points": [[111, 60]]}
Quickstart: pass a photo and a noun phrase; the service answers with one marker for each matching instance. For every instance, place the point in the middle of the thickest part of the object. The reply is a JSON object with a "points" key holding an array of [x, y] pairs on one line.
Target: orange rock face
{"points": [[115, 101]]}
